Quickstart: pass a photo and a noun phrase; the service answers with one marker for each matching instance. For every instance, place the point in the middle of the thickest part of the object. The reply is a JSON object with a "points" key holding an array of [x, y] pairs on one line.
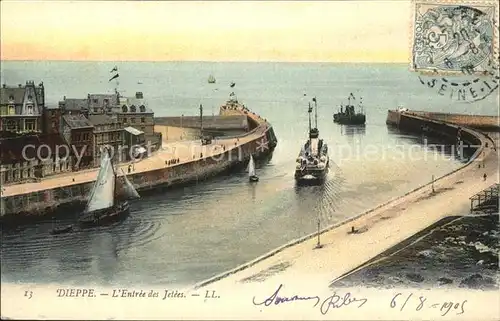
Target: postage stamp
{"points": [[454, 36]]}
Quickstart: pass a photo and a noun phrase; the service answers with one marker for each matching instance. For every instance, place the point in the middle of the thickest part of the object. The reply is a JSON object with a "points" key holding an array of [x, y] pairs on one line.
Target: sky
{"points": [[323, 31]]}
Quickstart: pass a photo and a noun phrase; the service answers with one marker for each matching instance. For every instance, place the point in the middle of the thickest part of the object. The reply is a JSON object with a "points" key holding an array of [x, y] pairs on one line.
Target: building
{"points": [[108, 132], [52, 120], [77, 131], [74, 106], [21, 109], [135, 143], [29, 158], [134, 112], [102, 103]]}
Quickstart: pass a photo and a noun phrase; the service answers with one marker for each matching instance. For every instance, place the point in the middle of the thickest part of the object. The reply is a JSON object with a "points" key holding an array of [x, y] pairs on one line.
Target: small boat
{"points": [[252, 177], [313, 160], [103, 206], [211, 79], [62, 229], [348, 116]]}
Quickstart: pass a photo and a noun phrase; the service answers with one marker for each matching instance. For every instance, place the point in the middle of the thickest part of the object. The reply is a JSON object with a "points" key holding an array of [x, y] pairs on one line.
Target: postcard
{"points": [[270, 160]]}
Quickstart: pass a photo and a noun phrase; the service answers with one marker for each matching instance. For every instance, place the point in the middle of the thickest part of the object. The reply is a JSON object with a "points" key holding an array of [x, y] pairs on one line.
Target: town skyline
{"points": [[333, 31]]}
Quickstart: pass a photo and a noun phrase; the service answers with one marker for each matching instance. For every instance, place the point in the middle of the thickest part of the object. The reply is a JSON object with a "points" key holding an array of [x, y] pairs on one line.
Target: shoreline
{"points": [[301, 250], [196, 163]]}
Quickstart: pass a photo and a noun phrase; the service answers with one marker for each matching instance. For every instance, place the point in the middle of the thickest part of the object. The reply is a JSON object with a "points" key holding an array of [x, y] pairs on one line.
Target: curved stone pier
{"points": [[195, 162], [381, 227]]}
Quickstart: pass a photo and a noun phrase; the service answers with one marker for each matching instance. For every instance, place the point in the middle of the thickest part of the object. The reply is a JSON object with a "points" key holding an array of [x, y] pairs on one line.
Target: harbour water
{"points": [[185, 235]]}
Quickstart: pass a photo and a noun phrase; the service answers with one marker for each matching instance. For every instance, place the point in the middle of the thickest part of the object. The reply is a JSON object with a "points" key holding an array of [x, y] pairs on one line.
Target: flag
{"points": [[310, 109], [115, 68], [114, 77], [314, 99], [232, 84], [351, 95]]}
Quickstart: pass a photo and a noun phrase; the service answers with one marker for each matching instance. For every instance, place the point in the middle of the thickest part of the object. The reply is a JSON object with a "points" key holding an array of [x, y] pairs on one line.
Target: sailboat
{"points": [[211, 79], [103, 206], [252, 177]]}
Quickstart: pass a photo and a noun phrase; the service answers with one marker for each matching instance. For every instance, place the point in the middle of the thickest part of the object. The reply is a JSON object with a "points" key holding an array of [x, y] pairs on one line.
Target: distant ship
{"points": [[348, 116], [103, 206], [211, 79], [313, 160]]}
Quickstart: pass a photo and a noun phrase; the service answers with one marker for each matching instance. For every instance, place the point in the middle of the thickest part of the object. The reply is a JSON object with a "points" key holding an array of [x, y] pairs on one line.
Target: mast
{"points": [[315, 113], [201, 120], [115, 176], [309, 112]]}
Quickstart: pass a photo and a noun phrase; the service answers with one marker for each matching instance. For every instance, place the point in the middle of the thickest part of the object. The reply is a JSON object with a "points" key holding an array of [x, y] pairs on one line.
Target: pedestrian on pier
{"points": [[484, 176]]}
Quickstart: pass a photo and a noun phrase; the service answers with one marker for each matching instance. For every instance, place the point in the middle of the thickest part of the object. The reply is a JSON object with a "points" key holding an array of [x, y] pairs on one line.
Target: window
{"points": [[142, 108], [95, 110], [132, 120], [29, 109], [132, 109], [29, 124], [124, 108], [12, 110], [124, 120], [143, 120], [11, 125], [11, 98], [95, 101]]}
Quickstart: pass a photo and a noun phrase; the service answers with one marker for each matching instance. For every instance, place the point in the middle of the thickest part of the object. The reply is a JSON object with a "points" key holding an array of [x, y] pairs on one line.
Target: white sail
{"points": [[102, 194], [129, 189], [251, 167]]}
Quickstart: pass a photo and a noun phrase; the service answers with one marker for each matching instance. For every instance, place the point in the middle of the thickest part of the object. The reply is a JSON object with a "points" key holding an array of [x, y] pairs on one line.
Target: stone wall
{"points": [[37, 204], [483, 122], [209, 122]]}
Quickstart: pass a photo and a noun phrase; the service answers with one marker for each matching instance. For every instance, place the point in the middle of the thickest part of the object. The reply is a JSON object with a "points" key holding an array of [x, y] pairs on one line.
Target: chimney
{"points": [[64, 98], [20, 85], [4, 85]]}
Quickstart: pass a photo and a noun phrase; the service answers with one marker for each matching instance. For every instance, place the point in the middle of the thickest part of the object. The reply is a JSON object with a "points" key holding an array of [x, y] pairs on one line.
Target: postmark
{"points": [[465, 91], [455, 48], [454, 37]]}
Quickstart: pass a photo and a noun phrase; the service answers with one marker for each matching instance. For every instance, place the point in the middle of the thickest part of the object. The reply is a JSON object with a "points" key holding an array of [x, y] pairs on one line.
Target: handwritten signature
{"points": [[334, 301]]}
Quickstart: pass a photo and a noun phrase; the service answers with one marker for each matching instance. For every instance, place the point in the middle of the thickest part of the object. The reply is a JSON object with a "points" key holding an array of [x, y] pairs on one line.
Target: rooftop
{"points": [[102, 100], [74, 104], [102, 119], [77, 121], [133, 131]]}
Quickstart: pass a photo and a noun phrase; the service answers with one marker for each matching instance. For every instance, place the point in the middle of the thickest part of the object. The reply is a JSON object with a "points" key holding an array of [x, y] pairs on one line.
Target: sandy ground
{"points": [[184, 150], [379, 230], [171, 134]]}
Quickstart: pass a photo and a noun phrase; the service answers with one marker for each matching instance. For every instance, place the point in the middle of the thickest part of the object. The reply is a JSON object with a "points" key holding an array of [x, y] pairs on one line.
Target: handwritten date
{"points": [[400, 301]]}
